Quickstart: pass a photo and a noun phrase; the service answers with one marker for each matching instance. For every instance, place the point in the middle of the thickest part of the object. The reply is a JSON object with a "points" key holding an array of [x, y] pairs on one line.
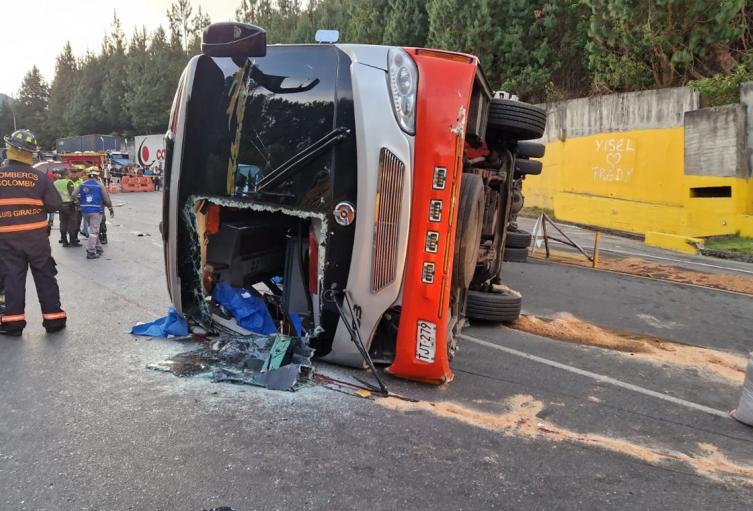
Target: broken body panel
{"points": [[263, 158]]}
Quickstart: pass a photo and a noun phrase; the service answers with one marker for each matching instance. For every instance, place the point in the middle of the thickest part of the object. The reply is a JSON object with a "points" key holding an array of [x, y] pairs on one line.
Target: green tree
{"points": [[539, 55], [284, 20], [31, 106], [136, 86], [306, 23], [114, 66], [636, 44], [152, 79], [199, 22], [455, 25], [333, 14], [447, 25], [256, 12], [86, 110], [407, 23], [62, 91], [280, 18], [366, 21], [6, 118], [181, 25]]}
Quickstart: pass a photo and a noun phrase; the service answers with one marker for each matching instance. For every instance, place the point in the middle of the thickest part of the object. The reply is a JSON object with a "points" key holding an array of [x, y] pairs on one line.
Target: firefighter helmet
{"points": [[23, 140]]}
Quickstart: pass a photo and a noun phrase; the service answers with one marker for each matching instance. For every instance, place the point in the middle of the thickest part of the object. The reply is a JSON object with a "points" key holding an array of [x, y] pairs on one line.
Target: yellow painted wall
{"points": [[634, 181]]}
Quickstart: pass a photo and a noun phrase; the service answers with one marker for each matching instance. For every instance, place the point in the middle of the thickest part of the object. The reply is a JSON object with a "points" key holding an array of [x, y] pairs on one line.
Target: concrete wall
{"points": [[619, 162], [715, 142], [663, 108], [746, 98]]}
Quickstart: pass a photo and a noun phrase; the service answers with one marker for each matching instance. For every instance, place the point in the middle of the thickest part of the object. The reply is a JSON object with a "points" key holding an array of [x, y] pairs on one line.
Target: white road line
{"points": [[599, 377]]}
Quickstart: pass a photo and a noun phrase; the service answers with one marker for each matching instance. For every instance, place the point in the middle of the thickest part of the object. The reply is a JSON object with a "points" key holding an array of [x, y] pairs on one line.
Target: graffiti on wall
{"points": [[615, 159]]}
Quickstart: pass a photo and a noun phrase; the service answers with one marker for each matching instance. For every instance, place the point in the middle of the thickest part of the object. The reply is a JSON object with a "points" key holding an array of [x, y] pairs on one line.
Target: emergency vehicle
{"points": [[85, 158], [362, 192]]}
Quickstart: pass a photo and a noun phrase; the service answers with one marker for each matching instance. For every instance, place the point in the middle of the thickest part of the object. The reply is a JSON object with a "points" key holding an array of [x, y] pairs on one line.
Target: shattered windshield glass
{"points": [[245, 122], [276, 109]]}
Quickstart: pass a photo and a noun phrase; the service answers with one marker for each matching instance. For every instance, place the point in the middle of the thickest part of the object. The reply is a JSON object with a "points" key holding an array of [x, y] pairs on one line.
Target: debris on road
{"points": [[565, 327], [171, 325], [521, 420], [276, 362], [643, 268], [744, 410], [637, 266]]}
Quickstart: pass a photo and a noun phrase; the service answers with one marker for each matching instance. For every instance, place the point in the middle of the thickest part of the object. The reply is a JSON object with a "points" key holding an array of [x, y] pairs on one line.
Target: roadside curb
{"points": [[673, 242]]}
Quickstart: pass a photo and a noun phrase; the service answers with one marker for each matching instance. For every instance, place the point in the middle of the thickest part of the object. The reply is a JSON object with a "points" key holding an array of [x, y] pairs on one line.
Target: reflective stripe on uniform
{"points": [[21, 202], [24, 227], [11, 319], [54, 315]]}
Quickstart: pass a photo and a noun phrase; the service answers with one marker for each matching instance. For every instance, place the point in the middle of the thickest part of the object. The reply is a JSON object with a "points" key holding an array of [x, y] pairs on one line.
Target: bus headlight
{"points": [[403, 79]]}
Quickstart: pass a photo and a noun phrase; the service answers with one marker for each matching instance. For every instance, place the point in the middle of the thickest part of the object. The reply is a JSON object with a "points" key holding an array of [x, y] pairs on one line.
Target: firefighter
{"points": [[68, 229], [93, 198], [26, 196]]}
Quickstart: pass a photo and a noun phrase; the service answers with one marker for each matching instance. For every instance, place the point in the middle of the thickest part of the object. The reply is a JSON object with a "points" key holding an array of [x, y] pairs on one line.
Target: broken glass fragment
{"points": [[277, 362]]}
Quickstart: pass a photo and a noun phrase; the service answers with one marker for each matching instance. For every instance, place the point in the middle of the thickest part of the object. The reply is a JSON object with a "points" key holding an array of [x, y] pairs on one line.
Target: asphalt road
{"points": [[83, 424]]}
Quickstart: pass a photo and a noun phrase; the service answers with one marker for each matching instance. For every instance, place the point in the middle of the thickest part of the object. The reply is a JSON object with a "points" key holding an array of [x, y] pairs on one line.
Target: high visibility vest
{"points": [[23, 195], [90, 197], [65, 189]]}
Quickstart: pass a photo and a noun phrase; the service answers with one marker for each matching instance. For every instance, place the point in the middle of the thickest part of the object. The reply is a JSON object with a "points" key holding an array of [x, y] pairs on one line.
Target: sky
{"points": [[34, 33]]}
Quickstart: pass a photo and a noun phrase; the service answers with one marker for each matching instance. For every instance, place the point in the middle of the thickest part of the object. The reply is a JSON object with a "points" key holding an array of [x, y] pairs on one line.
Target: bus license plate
{"points": [[426, 341]]}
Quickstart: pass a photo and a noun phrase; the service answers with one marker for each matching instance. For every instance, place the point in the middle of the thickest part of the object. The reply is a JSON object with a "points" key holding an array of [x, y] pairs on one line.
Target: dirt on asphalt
{"points": [[637, 266], [566, 327], [643, 268], [521, 420]]}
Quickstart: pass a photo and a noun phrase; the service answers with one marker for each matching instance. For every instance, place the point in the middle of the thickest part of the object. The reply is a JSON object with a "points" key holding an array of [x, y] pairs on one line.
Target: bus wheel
{"points": [[468, 233]]}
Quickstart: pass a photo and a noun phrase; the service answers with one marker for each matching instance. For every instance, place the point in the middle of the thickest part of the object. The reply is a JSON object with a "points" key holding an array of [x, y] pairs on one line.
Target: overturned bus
{"points": [[363, 193]]}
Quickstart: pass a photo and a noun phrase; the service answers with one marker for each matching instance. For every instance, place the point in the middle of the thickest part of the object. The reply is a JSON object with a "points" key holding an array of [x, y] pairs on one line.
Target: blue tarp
{"points": [[172, 324], [249, 312]]}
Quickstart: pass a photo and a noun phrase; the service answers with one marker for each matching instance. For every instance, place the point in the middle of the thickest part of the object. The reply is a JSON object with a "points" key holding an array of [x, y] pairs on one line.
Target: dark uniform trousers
{"points": [[68, 227], [2, 279], [22, 251]]}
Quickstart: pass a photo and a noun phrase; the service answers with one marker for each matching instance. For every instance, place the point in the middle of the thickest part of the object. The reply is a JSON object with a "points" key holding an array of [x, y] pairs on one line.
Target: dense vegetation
{"points": [[541, 49]]}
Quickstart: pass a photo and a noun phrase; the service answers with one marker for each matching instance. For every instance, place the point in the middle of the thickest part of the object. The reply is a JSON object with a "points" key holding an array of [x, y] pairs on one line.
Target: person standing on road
{"points": [[157, 178], [52, 175], [77, 218], [93, 198], [26, 196], [68, 228], [103, 223]]}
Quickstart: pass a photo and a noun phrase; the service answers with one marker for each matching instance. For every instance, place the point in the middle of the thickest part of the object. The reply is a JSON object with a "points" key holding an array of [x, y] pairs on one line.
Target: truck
{"points": [[88, 143], [363, 193], [87, 158]]}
